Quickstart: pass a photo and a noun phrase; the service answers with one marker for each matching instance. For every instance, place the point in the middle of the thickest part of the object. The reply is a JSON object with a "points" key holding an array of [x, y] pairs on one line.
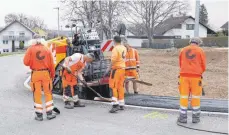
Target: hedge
{"points": [[179, 43]]}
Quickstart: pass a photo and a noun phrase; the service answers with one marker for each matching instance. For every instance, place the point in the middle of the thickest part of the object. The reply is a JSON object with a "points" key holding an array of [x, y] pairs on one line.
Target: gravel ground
{"points": [[160, 67]]}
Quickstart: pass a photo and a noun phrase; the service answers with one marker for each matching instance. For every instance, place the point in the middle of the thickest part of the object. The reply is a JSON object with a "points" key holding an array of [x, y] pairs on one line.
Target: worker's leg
{"points": [[135, 88], [47, 87], [36, 86], [120, 84], [127, 86], [76, 100], [113, 86], [196, 90], [184, 93], [135, 75], [67, 94]]}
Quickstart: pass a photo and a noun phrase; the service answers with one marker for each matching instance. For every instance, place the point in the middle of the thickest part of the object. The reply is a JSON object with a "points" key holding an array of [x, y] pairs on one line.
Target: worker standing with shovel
{"points": [[132, 66], [40, 61], [73, 66], [192, 63]]}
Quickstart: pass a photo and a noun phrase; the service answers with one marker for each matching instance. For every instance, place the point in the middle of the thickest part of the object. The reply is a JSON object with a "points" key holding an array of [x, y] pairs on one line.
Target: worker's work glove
{"points": [[137, 70], [68, 70]]}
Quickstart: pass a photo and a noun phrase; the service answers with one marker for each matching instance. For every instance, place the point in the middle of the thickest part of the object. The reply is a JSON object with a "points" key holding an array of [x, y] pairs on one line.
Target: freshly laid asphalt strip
{"points": [[211, 105]]}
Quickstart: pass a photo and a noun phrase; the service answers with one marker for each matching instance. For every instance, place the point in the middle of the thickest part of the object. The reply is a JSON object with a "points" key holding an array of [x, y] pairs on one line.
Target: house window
{"points": [[179, 26], [22, 34], [178, 37], [187, 36], [5, 42], [5, 50], [190, 26]]}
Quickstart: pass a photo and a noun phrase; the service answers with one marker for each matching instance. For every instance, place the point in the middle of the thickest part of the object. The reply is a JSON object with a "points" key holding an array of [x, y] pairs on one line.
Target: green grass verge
{"points": [[7, 54]]}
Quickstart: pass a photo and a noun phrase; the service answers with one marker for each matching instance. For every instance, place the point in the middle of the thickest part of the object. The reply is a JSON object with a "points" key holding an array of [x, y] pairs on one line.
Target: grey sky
{"points": [[217, 10]]}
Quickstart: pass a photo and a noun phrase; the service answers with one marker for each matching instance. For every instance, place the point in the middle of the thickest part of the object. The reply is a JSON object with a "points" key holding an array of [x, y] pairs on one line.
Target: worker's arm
{"points": [[114, 56], [27, 57], [203, 60], [137, 59], [80, 74], [51, 66]]}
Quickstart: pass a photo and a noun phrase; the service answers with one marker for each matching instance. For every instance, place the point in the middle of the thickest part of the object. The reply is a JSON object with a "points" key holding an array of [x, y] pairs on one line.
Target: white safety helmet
{"points": [[196, 40]]}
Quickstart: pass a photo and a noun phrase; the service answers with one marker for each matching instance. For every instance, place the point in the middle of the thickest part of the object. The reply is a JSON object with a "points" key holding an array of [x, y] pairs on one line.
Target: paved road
{"points": [[17, 116]]}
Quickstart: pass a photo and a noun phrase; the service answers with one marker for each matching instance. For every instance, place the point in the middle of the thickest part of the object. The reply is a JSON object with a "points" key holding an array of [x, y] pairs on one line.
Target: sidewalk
{"points": [[211, 105]]}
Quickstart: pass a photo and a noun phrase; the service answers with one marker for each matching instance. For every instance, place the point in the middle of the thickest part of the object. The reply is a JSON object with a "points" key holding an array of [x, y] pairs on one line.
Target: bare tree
{"points": [[29, 21], [152, 13], [102, 15]]}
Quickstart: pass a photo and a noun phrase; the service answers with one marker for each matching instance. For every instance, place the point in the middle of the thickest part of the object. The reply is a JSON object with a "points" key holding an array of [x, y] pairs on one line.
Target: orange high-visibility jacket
{"points": [[132, 59], [192, 61], [118, 57], [38, 57]]}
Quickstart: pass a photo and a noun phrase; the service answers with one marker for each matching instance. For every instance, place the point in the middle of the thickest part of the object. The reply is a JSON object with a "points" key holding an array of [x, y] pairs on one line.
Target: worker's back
{"points": [[192, 61], [118, 57], [39, 57]]}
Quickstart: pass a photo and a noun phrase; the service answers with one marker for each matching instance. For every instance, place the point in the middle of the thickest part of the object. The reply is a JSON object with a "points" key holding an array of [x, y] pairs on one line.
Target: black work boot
{"points": [[68, 105], [182, 118], [196, 118], [121, 107], [136, 92], [78, 104], [50, 115], [114, 109], [39, 116]]}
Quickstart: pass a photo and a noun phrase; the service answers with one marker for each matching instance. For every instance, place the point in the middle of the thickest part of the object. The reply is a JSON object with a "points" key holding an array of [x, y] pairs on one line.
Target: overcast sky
{"points": [[217, 10]]}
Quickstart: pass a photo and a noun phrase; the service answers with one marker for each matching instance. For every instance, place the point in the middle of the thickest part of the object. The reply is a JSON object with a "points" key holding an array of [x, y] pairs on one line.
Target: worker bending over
{"points": [[40, 60], [73, 67], [192, 65], [117, 76], [132, 66]]}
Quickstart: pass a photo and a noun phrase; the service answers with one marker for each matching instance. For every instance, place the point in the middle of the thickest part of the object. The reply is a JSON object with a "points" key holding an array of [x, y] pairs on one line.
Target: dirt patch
{"points": [[160, 67]]}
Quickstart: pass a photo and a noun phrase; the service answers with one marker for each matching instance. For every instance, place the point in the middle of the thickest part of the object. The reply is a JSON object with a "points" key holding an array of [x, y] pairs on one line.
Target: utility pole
{"points": [[196, 32], [58, 21]]}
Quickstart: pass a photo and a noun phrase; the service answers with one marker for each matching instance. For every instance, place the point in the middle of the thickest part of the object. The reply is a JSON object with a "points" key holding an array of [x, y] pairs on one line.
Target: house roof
{"points": [[15, 22], [225, 26], [172, 22]]}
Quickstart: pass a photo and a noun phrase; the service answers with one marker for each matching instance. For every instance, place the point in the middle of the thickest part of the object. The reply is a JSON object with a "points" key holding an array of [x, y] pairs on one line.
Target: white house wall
{"points": [[183, 32], [17, 28], [134, 42]]}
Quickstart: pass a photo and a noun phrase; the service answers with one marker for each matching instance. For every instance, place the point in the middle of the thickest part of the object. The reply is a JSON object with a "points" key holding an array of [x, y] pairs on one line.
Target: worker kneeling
{"points": [[192, 63], [73, 68], [132, 66], [117, 76], [40, 60]]}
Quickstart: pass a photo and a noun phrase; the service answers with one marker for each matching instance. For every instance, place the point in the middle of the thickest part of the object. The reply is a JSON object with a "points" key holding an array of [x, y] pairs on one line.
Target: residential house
{"points": [[181, 27], [12, 34], [54, 33], [224, 28]]}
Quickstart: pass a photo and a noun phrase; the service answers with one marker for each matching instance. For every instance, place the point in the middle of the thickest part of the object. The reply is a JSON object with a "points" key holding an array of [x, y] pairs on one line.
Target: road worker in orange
{"points": [[132, 66], [73, 65], [40, 60], [192, 63], [117, 76]]}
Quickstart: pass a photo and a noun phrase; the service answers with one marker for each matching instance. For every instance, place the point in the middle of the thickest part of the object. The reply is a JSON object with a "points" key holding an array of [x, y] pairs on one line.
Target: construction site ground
{"points": [[17, 113], [160, 67]]}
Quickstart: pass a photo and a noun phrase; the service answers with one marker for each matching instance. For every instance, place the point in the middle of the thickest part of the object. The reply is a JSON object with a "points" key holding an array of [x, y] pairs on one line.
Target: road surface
{"points": [[17, 114]]}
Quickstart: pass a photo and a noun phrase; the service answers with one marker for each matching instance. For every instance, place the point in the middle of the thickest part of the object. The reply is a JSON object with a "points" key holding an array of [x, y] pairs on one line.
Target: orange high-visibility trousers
{"points": [[131, 73], [192, 87], [42, 80], [116, 83], [68, 82]]}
